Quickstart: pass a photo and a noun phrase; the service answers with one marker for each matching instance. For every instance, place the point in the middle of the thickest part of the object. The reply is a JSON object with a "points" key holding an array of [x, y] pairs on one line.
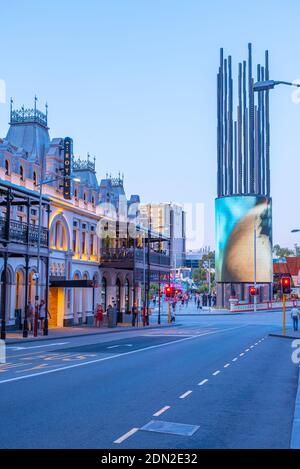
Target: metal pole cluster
{"points": [[243, 136]]}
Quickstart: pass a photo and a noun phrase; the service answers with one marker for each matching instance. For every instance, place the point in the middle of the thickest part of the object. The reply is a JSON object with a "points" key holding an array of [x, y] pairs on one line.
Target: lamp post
{"points": [[37, 275], [254, 262], [267, 85]]}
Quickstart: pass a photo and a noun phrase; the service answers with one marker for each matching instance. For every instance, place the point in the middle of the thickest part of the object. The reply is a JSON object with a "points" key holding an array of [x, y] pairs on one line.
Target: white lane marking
{"points": [[251, 346], [247, 350], [127, 435], [36, 346], [203, 382], [255, 343], [111, 357], [216, 373], [241, 354], [184, 395], [227, 365], [235, 359], [161, 411], [122, 345]]}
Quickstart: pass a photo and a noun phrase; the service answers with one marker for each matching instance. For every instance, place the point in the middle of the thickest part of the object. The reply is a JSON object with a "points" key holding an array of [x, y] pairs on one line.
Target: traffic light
{"points": [[286, 285], [168, 291], [253, 291]]}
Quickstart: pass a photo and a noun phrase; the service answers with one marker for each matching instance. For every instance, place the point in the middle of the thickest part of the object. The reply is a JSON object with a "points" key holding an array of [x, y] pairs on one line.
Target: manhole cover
{"points": [[173, 428]]}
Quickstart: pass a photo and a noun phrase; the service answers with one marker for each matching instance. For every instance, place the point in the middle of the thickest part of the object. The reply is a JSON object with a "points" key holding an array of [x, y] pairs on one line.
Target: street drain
{"points": [[159, 426]]}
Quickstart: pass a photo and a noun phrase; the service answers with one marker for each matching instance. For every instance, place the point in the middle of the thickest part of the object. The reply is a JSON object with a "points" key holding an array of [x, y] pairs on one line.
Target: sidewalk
{"points": [[290, 334], [16, 337]]}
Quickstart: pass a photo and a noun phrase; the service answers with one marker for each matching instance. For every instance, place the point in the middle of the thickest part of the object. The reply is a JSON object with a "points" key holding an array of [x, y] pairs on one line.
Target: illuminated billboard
{"points": [[237, 219]]}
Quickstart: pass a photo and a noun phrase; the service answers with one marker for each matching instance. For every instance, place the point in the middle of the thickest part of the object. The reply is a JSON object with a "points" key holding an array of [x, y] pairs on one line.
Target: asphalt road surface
{"points": [[208, 382]]}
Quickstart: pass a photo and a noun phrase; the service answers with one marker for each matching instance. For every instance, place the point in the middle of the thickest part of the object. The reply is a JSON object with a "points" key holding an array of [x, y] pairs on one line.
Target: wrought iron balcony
{"points": [[24, 233], [126, 257]]}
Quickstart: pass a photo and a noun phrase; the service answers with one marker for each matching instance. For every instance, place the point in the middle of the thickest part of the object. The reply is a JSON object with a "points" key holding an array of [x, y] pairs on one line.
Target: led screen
{"points": [[237, 219]]}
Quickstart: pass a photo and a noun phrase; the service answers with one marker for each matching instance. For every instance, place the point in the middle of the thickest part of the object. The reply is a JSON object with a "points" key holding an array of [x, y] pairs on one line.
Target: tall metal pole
{"points": [[240, 162], [230, 127], [37, 281], [225, 190], [221, 84], [267, 126], [251, 120], [245, 130]]}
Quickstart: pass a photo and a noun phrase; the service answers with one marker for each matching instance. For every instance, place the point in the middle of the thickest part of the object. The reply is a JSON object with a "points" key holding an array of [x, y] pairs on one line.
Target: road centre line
{"points": [[227, 365], [186, 394], [126, 435], [203, 382], [235, 359], [111, 357], [216, 373], [161, 411]]}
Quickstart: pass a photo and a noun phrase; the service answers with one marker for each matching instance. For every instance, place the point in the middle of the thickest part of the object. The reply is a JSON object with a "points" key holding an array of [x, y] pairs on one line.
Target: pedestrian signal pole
{"points": [[283, 315]]}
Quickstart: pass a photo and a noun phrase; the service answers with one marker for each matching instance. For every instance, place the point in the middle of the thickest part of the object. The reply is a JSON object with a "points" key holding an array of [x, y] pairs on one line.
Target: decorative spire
{"points": [[46, 107], [35, 101], [11, 106]]}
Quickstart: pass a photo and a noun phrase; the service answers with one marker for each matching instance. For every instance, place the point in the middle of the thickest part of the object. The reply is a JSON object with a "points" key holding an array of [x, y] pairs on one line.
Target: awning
{"points": [[72, 283]]}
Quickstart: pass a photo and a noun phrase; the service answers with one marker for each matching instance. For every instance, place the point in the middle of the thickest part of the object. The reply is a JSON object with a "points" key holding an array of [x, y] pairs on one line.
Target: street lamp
{"points": [[267, 85], [37, 275]]}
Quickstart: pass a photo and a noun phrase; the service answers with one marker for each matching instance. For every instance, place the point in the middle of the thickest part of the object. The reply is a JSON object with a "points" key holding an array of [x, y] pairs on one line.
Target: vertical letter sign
{"points": [[68, 151]]}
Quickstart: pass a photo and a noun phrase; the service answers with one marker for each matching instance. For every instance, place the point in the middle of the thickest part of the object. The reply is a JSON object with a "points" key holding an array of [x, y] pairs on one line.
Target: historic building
{"points": [[84, 260]]}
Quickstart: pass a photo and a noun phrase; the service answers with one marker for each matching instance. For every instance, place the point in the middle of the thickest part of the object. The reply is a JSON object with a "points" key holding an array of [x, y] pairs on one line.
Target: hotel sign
{"points": [[68, 151]]}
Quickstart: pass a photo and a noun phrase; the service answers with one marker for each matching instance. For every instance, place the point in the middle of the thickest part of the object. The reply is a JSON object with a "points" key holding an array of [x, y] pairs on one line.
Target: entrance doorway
{"points": [[56, 306]]}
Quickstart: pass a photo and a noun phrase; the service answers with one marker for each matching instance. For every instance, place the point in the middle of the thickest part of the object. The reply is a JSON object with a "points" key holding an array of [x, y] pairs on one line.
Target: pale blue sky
{"points": [[134, 82]]}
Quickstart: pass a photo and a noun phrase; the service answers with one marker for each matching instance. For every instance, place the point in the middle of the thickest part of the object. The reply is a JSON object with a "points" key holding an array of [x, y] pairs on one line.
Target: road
{"points": [[222, 377]]}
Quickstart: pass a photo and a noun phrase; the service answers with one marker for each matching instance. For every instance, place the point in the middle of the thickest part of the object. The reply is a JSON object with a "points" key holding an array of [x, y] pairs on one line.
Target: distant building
{"points": [[169, 219], [193, 257]]}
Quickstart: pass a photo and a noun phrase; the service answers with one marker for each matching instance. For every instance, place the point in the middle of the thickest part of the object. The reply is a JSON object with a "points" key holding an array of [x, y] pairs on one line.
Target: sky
{"points": [[133, 82]]}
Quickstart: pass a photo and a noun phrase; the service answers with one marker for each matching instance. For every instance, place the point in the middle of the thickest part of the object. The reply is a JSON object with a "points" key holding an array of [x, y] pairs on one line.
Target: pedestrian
{"points": [[295, 317], [30, 315], [209, 299], [135, 312], [42, 314], [99, 315], [109, 313], [199, 303]]}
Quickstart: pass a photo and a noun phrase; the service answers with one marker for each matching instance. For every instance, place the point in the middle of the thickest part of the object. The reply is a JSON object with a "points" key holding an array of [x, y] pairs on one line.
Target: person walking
{"points": [[30, 315], [110, 313], [295, 317], [99, 315], [42, 314], [135, 312], [199, 303]]}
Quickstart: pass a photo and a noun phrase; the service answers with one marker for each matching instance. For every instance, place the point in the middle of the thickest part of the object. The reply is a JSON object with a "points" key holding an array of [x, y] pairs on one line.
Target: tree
{"points": [[282, 252]]}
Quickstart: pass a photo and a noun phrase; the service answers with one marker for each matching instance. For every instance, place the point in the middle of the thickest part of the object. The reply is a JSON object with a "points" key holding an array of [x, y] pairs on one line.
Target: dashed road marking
{"points": [[184, 395], [216, 373], [242, 354], [227, 365], [247, 350], [203, 382], [127, 435], [161, 411], [235, 359]]}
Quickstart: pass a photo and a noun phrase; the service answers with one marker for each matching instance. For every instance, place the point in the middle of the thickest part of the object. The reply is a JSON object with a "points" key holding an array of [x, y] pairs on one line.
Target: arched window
{"points": [[93, 200], [35, 179], [76, 194], [118, 299], [7, 167], [127, 290], [21, 173], [104, 293], [85, 197]]}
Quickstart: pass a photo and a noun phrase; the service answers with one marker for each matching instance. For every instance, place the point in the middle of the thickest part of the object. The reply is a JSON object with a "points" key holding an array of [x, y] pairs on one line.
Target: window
{"points": [[35, 180], [85, 198], [20, 218], [21, 173], [33, 211], [75, 223], [74, 241], [92, 245], [93, 200], [7, 167], [83, 243], [76, 194]]}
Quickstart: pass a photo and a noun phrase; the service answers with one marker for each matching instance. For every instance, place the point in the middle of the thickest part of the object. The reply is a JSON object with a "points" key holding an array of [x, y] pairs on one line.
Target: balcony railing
{"points": [[24, 233], [125, 255]]}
